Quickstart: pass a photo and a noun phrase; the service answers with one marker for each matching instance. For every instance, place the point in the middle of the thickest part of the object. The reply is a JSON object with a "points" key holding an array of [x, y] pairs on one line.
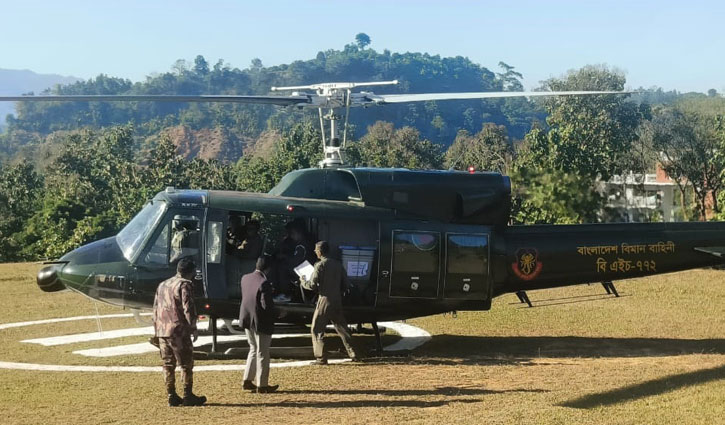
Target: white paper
{"points": [[357, 268], [304, 270]]}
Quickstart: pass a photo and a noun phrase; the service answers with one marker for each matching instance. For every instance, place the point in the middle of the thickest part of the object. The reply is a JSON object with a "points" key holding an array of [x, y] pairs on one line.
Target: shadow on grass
{"points": [[592, 297], [445, 391], [349, 404], [646, 389], [456, 349], [553, 302]]}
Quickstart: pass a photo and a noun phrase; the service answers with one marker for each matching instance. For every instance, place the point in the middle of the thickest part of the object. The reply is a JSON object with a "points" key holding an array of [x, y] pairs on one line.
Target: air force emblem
{"points": [[527, 265]]}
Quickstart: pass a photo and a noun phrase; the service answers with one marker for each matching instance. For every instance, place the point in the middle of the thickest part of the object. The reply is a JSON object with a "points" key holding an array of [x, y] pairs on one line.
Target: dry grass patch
{"points": [[655, 355]]}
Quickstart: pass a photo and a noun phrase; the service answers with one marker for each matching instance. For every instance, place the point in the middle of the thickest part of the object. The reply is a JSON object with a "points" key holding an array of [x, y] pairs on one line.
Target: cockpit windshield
{"points": [[131, 237]]}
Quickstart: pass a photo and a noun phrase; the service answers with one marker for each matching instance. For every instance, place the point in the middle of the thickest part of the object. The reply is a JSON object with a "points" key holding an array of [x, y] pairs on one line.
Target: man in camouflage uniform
{"points": [[330, 280], [175, 325]]}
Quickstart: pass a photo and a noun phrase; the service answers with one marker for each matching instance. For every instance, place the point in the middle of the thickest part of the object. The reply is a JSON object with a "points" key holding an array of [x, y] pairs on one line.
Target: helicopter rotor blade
{"points": [[267, 100], [421, 97]]}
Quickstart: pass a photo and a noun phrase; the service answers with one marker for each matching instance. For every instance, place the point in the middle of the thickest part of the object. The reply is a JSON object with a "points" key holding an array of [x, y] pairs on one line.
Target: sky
{"points": [[670, 44]]}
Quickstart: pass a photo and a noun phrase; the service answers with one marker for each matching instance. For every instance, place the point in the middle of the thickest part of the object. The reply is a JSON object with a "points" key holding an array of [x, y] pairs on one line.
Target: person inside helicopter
{"points": [[244, 244], [184, 240], [235, 234], [253, 244], [296, 247]]}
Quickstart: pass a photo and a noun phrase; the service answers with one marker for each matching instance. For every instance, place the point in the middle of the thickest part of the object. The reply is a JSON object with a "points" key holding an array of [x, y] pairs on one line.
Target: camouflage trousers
{"points": [[324, 314], [177, 350]]}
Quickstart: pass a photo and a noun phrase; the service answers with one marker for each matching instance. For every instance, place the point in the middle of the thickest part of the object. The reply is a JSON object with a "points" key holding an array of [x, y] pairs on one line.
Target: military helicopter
{"points": [[413, 243]]}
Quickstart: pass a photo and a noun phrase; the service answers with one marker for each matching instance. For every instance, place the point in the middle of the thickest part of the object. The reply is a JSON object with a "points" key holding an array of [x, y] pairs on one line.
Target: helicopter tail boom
{"points": [[550, 256]]}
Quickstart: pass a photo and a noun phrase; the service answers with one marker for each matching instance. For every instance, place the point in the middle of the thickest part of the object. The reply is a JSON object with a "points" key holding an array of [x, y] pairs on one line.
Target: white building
{"points": [[640, 198]]}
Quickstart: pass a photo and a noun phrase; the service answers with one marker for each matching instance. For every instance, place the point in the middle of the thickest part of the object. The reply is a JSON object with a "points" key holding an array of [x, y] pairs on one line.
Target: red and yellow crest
{"points": [[527, 265]]}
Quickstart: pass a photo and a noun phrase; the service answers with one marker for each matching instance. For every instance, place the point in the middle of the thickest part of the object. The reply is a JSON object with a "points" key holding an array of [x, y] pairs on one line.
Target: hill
{"points": [[418, 73], [16, 82]]}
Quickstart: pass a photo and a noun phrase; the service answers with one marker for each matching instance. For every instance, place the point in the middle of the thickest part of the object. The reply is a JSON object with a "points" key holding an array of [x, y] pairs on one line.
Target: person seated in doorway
{"points": [[235, 234]]}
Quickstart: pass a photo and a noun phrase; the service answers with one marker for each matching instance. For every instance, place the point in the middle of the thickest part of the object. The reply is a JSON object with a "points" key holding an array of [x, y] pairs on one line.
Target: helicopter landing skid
{"points": [[283, 352]]}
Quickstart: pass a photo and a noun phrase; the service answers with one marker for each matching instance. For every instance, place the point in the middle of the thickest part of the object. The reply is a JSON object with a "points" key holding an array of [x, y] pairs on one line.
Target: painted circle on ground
{"points": [[411, 337]]}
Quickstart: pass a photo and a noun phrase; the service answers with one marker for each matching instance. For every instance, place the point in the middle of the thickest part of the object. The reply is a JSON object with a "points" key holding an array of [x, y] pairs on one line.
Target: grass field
{"points": [[656, 355]]}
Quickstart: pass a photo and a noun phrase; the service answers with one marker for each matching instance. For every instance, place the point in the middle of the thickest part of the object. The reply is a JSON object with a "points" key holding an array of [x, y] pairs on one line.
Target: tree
{"points": [[92, 188], [384, 146], [180, 67], [298, 148], [546, 196], [201, 66], [510, 79], [590, 135], [545, 193], [20, 194], [691, 151], [362, 40], [488, 150]]}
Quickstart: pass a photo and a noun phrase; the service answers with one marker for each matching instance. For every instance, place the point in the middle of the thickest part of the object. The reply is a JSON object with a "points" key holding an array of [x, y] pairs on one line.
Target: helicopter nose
{"points": [[48, 279]]}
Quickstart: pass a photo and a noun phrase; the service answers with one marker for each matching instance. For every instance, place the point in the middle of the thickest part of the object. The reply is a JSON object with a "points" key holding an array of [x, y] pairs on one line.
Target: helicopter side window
{"points": [[159, 252], [214, 242], [466, 266], [416, 258]]}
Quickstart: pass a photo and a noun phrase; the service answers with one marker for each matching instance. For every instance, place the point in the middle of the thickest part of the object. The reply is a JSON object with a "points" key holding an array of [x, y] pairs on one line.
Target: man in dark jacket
{"points": [[174, 321], [329, 280], [256, 317]]}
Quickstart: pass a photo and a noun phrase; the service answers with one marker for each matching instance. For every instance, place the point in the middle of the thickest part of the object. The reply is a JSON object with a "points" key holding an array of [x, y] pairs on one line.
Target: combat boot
{"points": [[193, 400], [175, 400]]}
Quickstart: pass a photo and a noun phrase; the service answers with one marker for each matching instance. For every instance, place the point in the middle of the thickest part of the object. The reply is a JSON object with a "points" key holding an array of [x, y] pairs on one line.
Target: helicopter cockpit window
{"points": [[184, 237], [159, 251], [129, 239]]}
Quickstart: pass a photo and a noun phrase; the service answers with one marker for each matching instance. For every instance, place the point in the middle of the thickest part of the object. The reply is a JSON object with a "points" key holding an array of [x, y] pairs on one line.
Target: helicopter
{"points": [[413, 243]]}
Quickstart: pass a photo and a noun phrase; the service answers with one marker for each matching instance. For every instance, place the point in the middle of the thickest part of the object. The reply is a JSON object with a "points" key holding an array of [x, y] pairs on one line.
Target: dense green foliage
{"points": [[384, 146], [89, 191], [489, 149]]}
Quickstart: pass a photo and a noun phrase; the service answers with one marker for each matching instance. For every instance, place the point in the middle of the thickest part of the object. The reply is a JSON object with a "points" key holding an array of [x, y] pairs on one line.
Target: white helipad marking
{"points": [[91, 336], [62, 319], [411, 338], [98, 336], [207, 368], [145, 347]]}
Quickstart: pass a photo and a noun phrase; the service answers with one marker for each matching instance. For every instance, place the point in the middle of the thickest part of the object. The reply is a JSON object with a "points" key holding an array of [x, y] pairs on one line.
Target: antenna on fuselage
{"points": [[333, 96]]}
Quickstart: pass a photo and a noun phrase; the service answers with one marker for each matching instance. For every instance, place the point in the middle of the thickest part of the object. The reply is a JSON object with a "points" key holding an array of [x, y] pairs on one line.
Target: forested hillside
{"points": [[417, 73]]}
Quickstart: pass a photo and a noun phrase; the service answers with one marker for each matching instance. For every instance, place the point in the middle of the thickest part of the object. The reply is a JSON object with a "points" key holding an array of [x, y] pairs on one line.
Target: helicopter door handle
{"points": [[385, 273]]}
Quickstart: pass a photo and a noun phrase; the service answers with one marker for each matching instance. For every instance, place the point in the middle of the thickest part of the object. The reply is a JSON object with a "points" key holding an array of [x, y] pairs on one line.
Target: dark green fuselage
{"points": [[439, 241]]}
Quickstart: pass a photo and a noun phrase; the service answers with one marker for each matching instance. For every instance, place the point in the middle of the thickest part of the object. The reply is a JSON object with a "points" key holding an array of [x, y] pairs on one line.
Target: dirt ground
{"points": [[655, 355]]}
